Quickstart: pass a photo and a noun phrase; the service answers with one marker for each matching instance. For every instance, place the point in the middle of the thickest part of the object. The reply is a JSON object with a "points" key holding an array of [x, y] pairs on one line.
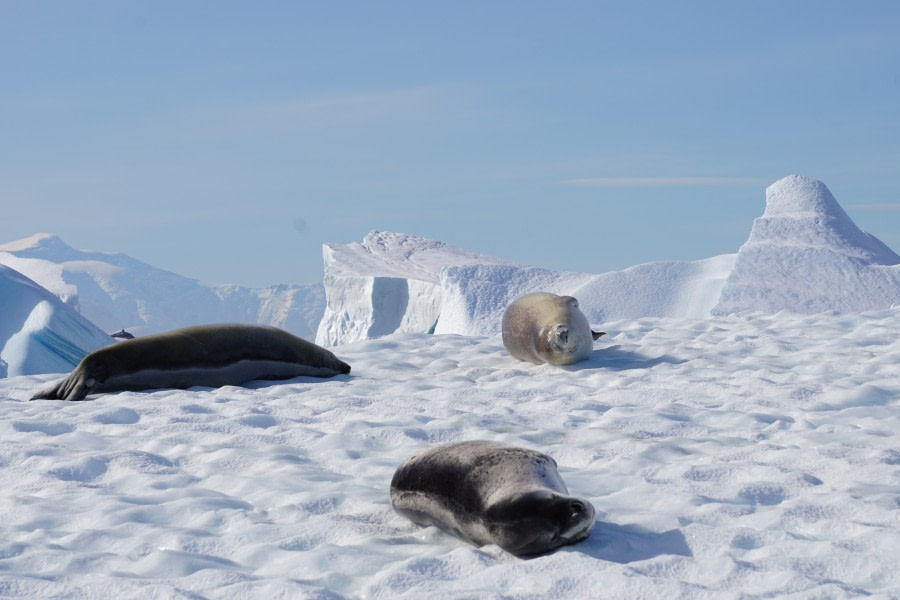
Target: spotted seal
{"points": [[489, 493], [205, 355]]}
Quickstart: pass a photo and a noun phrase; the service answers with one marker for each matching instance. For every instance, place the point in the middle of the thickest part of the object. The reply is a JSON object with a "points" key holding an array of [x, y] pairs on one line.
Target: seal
{"points": [[546, 328], [207, 355], [489, 493]]}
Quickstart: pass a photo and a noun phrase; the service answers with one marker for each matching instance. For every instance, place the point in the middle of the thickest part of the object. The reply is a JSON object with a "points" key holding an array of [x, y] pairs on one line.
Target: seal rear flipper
{"points": [[73, 387], [597, 334]]}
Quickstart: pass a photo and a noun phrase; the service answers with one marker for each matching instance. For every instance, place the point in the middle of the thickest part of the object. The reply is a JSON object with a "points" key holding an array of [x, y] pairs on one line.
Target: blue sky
{"points": [[228, 141]]}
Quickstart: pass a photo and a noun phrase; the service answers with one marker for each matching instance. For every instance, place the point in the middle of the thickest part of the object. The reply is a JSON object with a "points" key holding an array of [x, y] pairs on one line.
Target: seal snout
{"points": [[345, 368]]}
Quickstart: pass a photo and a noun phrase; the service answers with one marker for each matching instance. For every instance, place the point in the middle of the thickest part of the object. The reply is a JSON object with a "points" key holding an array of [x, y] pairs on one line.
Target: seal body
{"points": [[546, 328], [489, 493], [206, 355]]}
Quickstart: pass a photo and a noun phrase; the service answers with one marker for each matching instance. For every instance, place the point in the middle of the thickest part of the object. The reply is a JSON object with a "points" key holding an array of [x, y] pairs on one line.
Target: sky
{"points": [[227, 141]]}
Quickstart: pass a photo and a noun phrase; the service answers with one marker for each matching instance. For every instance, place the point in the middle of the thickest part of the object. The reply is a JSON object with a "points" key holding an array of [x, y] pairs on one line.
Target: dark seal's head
{"points": [[539, 521]]}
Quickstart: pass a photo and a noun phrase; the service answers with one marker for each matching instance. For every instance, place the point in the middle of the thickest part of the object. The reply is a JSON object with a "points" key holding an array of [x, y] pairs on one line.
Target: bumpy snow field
{"points": [[738, 457]]}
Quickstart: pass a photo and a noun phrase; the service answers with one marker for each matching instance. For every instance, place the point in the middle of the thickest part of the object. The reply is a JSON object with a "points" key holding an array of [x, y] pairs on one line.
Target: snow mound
{"points": [[806, 255], [38, 332], [116, 291], [391, 282], [476, 296]]}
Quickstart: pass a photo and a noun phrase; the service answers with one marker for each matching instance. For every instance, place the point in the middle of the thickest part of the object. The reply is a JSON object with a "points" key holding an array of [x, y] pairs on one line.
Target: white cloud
{"points": [[665, 181]]}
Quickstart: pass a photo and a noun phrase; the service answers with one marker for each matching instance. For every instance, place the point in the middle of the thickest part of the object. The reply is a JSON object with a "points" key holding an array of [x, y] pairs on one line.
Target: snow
{"points": [[728, 457], [117, 292], [38, 332]]}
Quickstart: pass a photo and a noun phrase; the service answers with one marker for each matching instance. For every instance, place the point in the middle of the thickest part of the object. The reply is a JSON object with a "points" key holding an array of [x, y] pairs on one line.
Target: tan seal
{"points": [[546, 328]]}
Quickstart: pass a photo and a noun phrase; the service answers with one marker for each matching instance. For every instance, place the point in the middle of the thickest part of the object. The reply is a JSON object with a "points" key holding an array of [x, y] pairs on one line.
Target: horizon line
{"points": [[665, 181]]}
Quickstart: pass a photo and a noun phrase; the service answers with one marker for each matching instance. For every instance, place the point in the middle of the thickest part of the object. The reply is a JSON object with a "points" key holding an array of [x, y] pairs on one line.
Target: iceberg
{"points": [[806, 255], [391, 282], [39, 333]]}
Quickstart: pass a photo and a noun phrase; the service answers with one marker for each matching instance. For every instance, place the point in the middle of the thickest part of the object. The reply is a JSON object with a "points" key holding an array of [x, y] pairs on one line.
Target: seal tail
{"points": [[73, 387], [597, 334]]}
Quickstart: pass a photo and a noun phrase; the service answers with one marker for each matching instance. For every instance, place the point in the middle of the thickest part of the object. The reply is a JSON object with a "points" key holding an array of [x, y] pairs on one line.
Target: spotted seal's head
{"points": [[539, 521]]}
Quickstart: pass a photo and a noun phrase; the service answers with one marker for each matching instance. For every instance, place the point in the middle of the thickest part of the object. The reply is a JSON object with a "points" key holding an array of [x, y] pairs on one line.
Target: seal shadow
{"points": [[631, 543], [615, 358]]}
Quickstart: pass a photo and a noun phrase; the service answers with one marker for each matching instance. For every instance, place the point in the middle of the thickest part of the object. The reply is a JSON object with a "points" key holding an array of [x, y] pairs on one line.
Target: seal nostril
{"points": [[577, 508]]}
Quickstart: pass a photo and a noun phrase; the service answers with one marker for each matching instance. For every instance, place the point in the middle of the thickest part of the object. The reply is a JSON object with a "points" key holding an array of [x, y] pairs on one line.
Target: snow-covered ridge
{"points": [[38, 332], [804, 255], [116, 291]]}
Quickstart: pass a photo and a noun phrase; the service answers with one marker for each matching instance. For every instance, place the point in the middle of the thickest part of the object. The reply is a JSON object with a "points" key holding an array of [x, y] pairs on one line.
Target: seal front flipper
{"points": [[74, 387]]}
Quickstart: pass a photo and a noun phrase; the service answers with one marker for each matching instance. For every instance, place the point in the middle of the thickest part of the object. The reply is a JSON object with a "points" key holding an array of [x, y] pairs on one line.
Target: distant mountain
{"points": [[117, 292], [806, 255], [38, 332]]}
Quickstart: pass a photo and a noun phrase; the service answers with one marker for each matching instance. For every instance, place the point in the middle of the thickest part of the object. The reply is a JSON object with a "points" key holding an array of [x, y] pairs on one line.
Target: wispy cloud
{"points": [[665, 181], [877, 206]]}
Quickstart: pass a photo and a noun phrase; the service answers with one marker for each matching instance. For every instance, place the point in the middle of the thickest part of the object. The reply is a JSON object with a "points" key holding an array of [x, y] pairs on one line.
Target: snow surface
{"points": [[38, 332], [117, 292], [730, 457]]}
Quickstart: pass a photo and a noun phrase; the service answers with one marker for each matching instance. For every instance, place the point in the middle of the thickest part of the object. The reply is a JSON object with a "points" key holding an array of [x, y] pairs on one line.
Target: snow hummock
{"points": [[388, 283], [38, 332], [806, 255], [117, 292], [730, 457]]}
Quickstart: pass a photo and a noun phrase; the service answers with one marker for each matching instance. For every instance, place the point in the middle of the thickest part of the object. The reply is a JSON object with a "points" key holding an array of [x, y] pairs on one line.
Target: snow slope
{"points": [[116, 291], [38, 332], [728, 458], [806, 255], [388, 283]]}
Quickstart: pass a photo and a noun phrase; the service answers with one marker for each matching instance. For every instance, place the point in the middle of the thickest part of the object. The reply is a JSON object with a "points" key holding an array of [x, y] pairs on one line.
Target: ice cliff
{"points": [[116, 291], [389, 283], [38, 332]]}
